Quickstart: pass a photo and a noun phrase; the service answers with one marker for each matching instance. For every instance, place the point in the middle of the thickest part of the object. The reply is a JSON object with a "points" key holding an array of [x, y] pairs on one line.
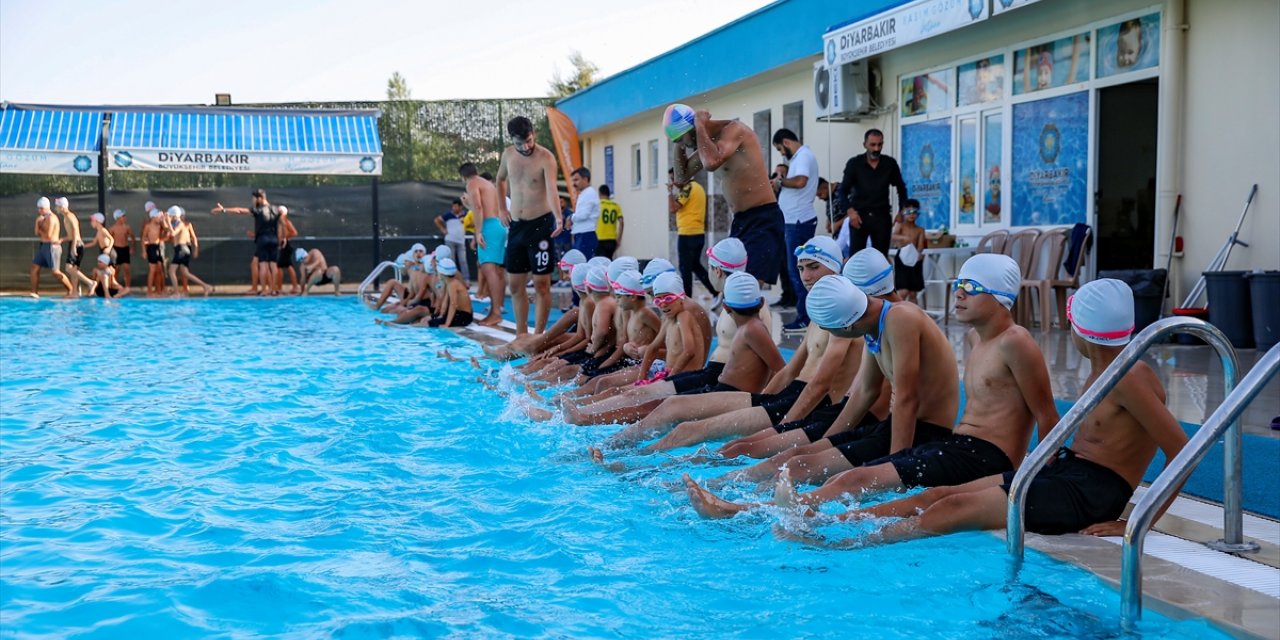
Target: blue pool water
{"points": [[247, 467]]}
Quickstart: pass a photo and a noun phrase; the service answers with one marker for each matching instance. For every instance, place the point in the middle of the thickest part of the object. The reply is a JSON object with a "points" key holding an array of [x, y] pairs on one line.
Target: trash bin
{"points": [[1264, 288], [1148, 293], [1229, 307]]}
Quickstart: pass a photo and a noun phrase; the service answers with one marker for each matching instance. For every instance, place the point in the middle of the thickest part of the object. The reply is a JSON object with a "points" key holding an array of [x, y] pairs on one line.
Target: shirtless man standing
{"points": [[49, 254], [122, 233], [491, 241], [731, 147], [527, 171], [75, 246]]}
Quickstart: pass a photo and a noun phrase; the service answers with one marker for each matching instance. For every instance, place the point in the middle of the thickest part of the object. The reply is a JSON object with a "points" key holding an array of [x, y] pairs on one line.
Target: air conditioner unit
{"points": [[842, 93]]}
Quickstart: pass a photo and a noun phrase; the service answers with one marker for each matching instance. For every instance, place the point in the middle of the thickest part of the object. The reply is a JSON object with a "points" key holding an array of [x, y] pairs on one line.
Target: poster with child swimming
{"points": [[1129, 45], [1051, 64]]}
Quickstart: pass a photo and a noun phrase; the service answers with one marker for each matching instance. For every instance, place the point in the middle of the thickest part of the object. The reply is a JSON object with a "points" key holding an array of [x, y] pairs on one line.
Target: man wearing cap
{"points": [[75, 246], [528, 172], [266, 236], [868, 177], [316, 271], [154, 234], [732, 148], [124, 239], [688, 204], [796, 193], [1087, 486], [49, 253], [818, 374], [586, 212]]}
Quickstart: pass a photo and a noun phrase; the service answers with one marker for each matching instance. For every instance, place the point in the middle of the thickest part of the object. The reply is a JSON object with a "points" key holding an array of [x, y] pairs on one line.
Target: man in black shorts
{"points": [[527, 173], [266, 221], [731, 147]]}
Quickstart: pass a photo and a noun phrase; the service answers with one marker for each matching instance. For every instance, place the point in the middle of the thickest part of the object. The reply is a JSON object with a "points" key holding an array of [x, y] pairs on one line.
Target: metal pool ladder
{"points": [[373, 276], [1223, 421]]}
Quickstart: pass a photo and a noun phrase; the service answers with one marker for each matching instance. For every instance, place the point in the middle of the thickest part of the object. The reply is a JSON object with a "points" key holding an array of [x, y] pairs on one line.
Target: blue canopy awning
{"points": [[49, 141]]}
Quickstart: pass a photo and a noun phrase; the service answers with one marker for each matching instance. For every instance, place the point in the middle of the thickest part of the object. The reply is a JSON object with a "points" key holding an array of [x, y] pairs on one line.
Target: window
{"points": [[763, 125], [635, 166], [653, 162], [793, 118]]}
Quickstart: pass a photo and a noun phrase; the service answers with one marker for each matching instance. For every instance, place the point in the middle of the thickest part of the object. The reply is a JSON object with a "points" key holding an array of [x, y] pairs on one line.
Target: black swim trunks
{"points": [[460, 319], [576, 357], [153, 254], [592, 370], [778, 404], [947, 463], [815, 425], [689, 381], [267, 249], [182, 254], [75, 256], [529, 248], [713, 388], [761, 230], [325, 279], [122, 255], [865, 443], [285, 259], [1071, 494]]}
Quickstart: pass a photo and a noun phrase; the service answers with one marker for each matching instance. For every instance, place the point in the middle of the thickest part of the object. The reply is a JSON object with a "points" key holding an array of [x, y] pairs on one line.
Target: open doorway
{"points": [[1126, 196]]}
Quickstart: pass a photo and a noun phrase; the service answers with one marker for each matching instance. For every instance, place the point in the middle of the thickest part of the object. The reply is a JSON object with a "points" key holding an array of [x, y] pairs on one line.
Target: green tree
{"points": [[583, 76], [398, 88]]}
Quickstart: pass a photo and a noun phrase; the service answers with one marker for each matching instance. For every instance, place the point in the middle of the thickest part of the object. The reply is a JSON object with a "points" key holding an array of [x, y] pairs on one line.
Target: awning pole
{"points": [[102, 163], [377, 234]]}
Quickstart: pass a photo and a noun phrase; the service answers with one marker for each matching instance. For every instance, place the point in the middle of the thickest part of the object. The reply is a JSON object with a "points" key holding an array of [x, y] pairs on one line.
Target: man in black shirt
{"points": [[867, 179], [266, 235]]}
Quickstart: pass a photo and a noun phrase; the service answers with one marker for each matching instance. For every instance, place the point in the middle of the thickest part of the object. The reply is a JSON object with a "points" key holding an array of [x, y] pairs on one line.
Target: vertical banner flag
{"points": [[1050, 160], [565, 137], [926, 168]]}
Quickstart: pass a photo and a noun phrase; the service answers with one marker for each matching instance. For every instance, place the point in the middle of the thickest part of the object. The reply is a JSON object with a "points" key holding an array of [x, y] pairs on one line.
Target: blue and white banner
{"points": [[1000, 6], [245, 162], [58, 163], [899, 27], [926, 168], [1050, 160]]}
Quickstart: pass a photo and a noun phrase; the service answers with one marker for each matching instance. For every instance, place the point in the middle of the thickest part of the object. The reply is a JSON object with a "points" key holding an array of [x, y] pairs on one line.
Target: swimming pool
{"points": [[247, 467]]}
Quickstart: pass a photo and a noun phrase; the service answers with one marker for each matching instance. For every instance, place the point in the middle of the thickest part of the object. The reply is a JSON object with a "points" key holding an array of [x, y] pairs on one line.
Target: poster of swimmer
{"points": [[1050, 160], [926, 93], [1051, 64], [926, 168], [1129, 45]]}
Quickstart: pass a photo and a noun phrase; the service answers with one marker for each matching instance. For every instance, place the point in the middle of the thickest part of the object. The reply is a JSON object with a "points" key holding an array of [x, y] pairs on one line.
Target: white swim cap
{"points": [[446, 267], [570, 258], [578, 276], [443, 252], [104, 258], [300, 255], [870, 272], [404, 257], [655, 268], [909, 255], [1101, 312], [175, 211], [149, 206], [729, 255], [42, 203], [628, 284], [117, 214], [997, 273], [823, 250], [741, 291], [282, 210], [667, 282], [417, 246], [600, 261], [624, 263], [62, 201], [835, 303], [597, 280], [98, 217], [677, 120], [155, 213]]}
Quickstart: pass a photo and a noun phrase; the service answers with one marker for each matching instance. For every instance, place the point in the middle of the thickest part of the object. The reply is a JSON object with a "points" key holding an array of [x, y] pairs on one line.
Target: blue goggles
{"points": [[971, 287], [874, 279], [647, 281], [814, 250]]}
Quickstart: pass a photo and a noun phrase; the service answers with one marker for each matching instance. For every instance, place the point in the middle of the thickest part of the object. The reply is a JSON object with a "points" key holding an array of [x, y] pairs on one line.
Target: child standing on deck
{"points": [[908, 268]]}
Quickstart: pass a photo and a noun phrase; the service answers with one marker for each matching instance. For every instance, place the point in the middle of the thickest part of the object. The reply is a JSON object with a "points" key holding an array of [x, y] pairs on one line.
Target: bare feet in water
{"points": [[708, 504]]}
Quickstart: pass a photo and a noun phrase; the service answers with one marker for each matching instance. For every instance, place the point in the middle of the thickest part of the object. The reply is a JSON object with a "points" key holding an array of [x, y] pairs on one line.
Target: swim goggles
{"points": [[620, 290], [667, 299], [881, 276], [814, 250], [647, 281], [1101, 335], [711, 254], [971, 287]]}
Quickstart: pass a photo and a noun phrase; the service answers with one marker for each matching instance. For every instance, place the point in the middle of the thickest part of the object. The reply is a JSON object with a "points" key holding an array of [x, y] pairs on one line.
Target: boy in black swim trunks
{"points": [[122, 233], [1086, 488]]}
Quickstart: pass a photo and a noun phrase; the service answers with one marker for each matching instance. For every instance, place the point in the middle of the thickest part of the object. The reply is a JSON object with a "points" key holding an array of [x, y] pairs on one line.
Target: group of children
{"points": [[869, 400], [434, 295]]}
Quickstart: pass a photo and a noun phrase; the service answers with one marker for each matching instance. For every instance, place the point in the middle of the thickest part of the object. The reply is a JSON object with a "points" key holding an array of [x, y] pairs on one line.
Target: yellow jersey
{"points": [[469, 222], [691, 218], [607, 223]]}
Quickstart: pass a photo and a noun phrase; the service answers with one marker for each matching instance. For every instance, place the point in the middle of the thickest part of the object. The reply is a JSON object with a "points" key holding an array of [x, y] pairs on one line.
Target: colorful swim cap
{"points": [[446, 267], [578, 276], [677, 120], [624, 263], [1101, 312], [655, 268], [42, 203], [300, 255], [822, 250], [729, 255], [741, 291], [442, 252], [667, 283], [570, 258], [597, 280], [870, 272], [98, 217], [997, 273], [62, 201], [835, 303], [628, 284], [117, 214]]}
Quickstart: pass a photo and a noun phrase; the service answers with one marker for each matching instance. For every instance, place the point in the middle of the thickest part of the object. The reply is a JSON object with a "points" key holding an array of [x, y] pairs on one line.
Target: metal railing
{"points": [[1233, 516], [1224, 419], [373, 277]]}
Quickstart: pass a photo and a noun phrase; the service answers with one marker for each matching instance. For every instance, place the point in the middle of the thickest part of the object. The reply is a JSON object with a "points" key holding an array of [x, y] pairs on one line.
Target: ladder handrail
{"points": [[1224, 419], [1089, 400], [373, 275]]}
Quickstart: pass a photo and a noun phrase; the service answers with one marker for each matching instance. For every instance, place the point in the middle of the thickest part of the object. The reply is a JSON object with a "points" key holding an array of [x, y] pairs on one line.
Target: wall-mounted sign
{"points": [[899, 27]]}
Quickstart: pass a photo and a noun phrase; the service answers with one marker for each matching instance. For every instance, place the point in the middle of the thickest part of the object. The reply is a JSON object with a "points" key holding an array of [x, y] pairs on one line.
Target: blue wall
{"points": [[781, 33]]}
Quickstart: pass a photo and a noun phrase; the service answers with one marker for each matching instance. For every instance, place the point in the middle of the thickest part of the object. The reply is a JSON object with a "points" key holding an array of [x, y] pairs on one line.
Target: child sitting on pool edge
{"points": [[456, 311]]}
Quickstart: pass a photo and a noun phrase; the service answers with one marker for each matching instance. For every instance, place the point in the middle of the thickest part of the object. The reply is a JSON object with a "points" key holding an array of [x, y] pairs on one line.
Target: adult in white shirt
{"points": [[796, 193], [585, 212]]}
